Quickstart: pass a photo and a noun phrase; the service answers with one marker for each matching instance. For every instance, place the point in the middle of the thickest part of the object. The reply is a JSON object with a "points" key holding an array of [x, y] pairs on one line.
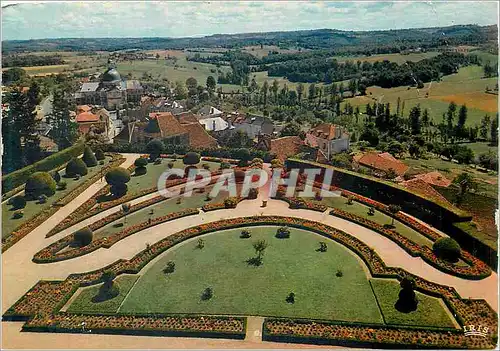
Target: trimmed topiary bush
{"points": [[83, 237], [39, 183], [89, 157], [191, 158], [62, 185], [18, 202], [154, 148], [76, 166], [117, 175], [18, 214], [283, 233], [109, 289], [141, 162], [447, 249], [56, 176], [119, 189], [99, 155]]}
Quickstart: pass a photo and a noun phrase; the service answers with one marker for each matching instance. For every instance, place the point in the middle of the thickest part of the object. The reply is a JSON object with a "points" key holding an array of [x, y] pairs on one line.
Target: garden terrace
{"points": [[35, 213], [138, 186], [113, 228], [440, 215], [46, 298]]}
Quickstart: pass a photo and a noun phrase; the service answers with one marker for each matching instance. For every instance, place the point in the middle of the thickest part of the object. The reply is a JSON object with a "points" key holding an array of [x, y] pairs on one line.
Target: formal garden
{"points": [[312, 282]]}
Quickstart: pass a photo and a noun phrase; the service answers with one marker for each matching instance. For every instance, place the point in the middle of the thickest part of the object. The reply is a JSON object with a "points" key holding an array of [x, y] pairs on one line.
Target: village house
{"points": [[168, 128], [252, 125], [281, 148], [382, 164], [329, 139], [96, 119]]}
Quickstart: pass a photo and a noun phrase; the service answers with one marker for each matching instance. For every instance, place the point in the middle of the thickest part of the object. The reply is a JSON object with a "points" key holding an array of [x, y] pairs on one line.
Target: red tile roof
{"points": [[383, 162], [198, 137], [83, 108], [324, 131], [169, 125], [187, 117], [424, 189], [286, 146], [86, 117], [434, 178]]}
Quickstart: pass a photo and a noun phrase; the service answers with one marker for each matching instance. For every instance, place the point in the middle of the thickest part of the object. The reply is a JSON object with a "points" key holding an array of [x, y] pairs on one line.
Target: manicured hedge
{"points": [[39, 183], [76, 166], [19, 177], [89, 157]]}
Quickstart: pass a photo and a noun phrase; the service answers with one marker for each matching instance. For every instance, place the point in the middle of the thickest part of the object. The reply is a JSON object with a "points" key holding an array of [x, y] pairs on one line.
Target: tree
{"points": [[140, 166], [485, 126], [64, 131], [99, 155], [489, 160], [494, 131], [465, 183], [259, 247], [180, 90], [117, 177], [155, 147], [370, 134], [415, 120], [125, 210], [109, 289], [13, 75], [300, 91], [464, 155], [290, 129], [191, 83], [450, 117], [414, 150], [211, 84], [89, 157], [393, 209], [462, 118], [407, 301]]}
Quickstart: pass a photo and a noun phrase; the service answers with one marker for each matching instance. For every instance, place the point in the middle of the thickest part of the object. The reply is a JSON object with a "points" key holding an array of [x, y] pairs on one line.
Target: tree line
{"points": [[31, 60]]}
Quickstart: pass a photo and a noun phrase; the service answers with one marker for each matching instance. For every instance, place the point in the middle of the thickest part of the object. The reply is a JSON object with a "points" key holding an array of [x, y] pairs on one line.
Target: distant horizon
{"points": [[260, 32], [186, 19]]}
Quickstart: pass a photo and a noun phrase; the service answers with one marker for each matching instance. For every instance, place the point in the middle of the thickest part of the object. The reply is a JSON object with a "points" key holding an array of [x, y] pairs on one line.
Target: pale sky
{"points": [[77, 19]]}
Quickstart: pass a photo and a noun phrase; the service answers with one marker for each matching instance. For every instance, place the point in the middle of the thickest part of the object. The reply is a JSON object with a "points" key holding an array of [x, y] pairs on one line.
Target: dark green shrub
{"points": [[18, 214], [170, 165], [230, 202], [119, 189], [109, 289], [201, 244], [154, 148], [56, 176], [407, 301], [283, 233], [158, 161], [191, 158], [447, 249], [140, 171], [83, 237], [39, 183], [207, 294], [322, 247], [339, 273], [61, 185], [18, 202], [89, 157], [42, 199], [245, 234], [290, 298], [141, 162], [169, 268], [117, 175], [99, 155], [76, 166]]}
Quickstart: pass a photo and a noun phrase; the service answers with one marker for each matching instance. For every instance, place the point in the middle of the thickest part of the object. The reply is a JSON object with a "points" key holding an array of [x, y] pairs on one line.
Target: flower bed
{"points": [[89, 208], [475, 270], [52, 252], [42, 303], [42, 216]]}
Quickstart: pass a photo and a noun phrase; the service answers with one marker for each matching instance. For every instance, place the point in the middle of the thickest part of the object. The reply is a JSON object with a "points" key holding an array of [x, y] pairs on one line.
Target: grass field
{"points": [[430, 310], [398, 58], [258, 52], [465, 86], [380, 218], [33, 207], [289, 265]]}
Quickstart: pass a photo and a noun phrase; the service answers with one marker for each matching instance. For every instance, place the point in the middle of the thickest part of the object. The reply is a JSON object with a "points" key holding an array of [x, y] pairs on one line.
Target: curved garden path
{"points": [[19, 273]]}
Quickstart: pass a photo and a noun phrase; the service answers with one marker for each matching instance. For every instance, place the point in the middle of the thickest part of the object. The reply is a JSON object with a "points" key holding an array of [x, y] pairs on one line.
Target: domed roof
{"points": [[111, 75]]}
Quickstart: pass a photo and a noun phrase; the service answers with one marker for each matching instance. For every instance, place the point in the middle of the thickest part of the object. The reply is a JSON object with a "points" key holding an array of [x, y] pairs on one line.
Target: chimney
{"points": [[213, 125]]}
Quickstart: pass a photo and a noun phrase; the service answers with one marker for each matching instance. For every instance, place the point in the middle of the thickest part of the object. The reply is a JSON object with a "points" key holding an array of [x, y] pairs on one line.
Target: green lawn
{"points": [[380, 218], [430, 311], [289, 265], [33, 207], [163, 208], [84, 300]]}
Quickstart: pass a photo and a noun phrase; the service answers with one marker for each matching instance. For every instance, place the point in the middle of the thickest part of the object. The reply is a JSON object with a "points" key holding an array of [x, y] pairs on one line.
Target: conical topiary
{"points": [[89, 157]]}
